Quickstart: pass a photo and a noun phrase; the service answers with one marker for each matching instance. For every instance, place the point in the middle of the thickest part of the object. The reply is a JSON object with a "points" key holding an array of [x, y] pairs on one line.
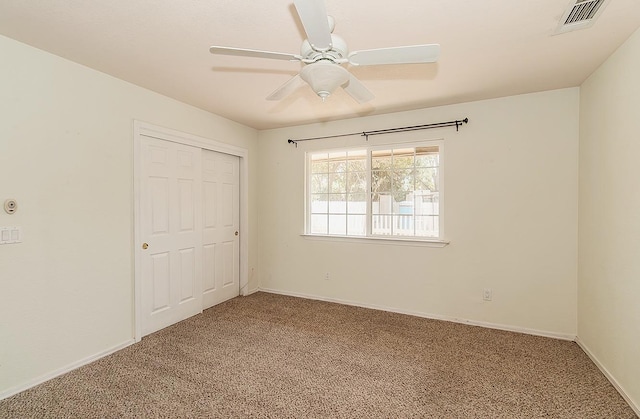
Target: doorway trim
{"points": [[143, 129]]}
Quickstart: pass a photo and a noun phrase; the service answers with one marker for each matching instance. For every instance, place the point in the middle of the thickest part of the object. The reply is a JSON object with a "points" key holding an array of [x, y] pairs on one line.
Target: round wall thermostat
{"points": [[10, 205]]}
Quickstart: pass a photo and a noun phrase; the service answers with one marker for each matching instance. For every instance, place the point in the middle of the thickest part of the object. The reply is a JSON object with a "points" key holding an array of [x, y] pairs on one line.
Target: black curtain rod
{"points": [[366, 134]]}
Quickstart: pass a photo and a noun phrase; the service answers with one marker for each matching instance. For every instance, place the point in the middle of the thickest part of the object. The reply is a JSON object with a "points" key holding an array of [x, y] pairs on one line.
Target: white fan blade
{"points": [[243, 52], [413, 54], [313, 15], [286, 89], [356, 90]]}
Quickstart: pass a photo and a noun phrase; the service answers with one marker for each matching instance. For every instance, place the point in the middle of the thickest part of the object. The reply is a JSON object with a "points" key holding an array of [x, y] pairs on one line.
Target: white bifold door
{"points": [[189, 206]]}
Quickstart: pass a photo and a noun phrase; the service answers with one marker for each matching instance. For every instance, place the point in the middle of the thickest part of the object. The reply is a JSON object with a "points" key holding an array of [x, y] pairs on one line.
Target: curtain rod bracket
{"points": [[459, 123]]}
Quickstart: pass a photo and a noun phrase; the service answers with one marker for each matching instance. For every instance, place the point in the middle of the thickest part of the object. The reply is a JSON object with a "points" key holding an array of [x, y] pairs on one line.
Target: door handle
{"points": [[145, 245], [236, 233]]}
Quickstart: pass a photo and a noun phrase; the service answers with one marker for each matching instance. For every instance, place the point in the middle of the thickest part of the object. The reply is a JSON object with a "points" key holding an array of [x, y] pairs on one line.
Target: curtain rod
{"points": [[366, 134]]}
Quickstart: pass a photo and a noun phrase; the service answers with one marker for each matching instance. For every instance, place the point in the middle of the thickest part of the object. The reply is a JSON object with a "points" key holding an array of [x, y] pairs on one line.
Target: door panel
{"points": [[159, 195], [210, 198], [187, 274], [159, 280], [221, 205], [209, 267], [229, 270], [171, 205], [186, 193]]}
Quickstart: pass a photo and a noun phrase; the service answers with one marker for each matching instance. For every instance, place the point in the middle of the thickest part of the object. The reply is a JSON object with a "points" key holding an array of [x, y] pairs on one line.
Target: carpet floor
{"points": [[272, 356]]}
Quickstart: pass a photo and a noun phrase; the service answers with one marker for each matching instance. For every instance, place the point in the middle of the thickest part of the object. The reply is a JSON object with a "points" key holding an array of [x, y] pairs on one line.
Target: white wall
{"points": [[66, 155], [510, 214], [609, 217]]}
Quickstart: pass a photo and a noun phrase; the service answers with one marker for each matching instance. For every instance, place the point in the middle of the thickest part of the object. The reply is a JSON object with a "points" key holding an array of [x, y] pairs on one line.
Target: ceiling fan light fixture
{"points": [[324, 77]]}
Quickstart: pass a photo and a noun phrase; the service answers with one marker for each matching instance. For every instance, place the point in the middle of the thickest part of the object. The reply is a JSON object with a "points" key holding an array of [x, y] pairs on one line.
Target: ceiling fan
{"points": [[324, 54]]}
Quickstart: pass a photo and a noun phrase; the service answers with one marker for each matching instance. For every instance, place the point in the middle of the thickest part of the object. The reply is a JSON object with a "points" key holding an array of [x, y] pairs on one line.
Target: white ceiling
{"points": [[490, 48]]}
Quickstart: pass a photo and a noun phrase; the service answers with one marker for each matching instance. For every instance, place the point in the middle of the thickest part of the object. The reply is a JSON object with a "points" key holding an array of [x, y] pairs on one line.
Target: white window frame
{"points": [[433, 241]]}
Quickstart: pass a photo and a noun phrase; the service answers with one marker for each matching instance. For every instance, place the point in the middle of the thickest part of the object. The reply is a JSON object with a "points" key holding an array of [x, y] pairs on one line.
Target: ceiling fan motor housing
{"points": [[336, 54]]}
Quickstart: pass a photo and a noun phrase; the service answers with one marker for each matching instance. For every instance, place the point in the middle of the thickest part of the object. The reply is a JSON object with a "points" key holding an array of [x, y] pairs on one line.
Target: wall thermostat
{"points": [[11, 206]]}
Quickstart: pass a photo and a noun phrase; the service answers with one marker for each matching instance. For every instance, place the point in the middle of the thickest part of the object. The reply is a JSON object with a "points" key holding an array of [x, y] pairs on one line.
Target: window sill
{"points": [[379, 240]]}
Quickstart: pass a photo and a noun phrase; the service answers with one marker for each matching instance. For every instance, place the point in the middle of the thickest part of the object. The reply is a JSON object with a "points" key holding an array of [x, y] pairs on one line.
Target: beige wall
{"points": [[510, 214], [511, 208], [609, 217], [66, 155]]}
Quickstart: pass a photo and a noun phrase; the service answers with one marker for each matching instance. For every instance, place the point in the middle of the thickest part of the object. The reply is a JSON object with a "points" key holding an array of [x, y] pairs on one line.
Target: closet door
{"points": [[171, 218], [221, 235]]}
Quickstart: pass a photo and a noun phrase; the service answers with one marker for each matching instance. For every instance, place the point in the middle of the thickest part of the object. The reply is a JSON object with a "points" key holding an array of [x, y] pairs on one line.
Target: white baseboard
{"points": [[562, 336], [610, 377], [46, 377], [249, 292]]}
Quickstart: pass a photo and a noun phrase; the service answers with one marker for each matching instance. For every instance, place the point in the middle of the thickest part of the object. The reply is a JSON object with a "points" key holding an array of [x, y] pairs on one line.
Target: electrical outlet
{"points": [[487, 294]]}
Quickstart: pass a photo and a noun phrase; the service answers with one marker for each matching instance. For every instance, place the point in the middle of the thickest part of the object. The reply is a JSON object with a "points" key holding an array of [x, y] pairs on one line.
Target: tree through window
{"points": [[390, 192]]}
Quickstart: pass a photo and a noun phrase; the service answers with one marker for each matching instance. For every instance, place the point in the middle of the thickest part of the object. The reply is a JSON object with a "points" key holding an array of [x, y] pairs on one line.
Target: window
{"points": [[376, 192]]}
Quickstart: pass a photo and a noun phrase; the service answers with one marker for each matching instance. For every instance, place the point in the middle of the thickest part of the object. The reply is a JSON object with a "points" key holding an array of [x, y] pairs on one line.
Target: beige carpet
{"points": [[272, 356]]}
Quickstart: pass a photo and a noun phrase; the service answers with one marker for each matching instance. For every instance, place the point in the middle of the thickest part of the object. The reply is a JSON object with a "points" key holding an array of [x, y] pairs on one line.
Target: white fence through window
{"points": [[401, 222]]}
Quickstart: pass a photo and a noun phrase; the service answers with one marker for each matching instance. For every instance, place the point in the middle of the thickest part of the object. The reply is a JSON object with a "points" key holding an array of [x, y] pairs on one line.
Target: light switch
{"points": [[10, 235]]}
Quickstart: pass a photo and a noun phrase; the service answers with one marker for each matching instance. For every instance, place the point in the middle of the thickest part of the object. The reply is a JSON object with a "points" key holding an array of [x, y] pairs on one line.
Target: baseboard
{"points": [[609, 376], [46, 377], [562, 336], [253, 291]]}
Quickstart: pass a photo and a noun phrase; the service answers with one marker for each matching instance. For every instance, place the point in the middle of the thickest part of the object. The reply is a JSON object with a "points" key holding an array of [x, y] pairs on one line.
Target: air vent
{"points": [[580, 15]]}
